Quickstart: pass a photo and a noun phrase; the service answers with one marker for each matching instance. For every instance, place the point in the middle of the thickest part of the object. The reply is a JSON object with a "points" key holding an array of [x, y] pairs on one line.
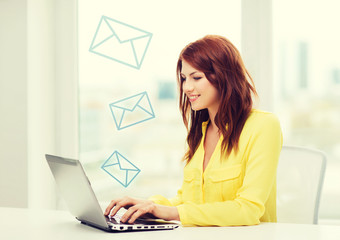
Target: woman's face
{"points": [[200, 92]]}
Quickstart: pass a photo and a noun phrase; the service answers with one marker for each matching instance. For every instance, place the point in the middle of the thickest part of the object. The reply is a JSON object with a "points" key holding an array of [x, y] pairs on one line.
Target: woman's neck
{"points": [[212, 125]]}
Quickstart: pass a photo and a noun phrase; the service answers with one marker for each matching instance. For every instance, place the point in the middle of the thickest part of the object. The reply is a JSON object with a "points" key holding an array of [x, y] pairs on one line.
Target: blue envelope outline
{"points": [[106, 34], [128, 110], [117, 162]]}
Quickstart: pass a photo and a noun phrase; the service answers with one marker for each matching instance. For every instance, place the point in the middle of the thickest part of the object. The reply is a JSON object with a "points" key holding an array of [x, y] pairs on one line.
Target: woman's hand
{"points": [[139, 207]]}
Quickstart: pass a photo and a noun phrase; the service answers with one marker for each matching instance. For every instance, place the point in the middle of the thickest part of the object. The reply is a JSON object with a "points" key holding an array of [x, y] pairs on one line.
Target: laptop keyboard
{"points": [[116, 218], [140, 221]]}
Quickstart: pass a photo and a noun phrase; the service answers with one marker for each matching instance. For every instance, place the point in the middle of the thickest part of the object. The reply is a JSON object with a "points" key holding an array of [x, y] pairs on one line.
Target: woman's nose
{"points": [[188, 86]]}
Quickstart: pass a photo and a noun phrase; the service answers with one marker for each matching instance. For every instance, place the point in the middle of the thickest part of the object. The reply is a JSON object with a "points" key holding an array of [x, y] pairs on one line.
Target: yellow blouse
{"points": [[235, 190]]}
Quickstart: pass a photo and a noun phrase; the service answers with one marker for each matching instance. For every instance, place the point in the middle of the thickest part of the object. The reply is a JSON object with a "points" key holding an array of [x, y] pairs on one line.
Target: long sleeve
{"points": [[263, 141], [159, 199]]}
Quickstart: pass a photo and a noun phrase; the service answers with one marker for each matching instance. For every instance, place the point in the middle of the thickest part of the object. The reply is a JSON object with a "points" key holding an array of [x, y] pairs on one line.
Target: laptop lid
{"points": [[76, 190], [81, 201]]}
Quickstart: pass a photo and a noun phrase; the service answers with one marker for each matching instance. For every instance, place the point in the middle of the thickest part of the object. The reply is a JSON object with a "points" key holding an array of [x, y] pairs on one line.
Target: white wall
{"points": [[13, 104], [257, 48], [38, 97], [40, 100], [52, 93]]}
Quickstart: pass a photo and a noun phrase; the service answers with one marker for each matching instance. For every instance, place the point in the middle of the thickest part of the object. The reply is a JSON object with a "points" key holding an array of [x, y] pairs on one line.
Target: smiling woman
{"points": [[219, 60], [154, 146], [233, 149], [197, 86]]}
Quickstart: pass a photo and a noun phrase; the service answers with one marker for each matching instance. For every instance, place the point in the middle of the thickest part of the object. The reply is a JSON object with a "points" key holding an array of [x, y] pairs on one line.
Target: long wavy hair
{"points": [[223, 66]]}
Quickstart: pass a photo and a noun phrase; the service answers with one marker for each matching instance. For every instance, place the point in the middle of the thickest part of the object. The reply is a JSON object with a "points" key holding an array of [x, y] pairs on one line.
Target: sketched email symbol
{"points": [[121, 169], [132, 110], [120, 42]]}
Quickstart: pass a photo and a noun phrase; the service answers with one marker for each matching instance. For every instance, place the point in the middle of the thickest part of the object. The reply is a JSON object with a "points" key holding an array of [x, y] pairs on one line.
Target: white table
{"points": [[29, 224]]}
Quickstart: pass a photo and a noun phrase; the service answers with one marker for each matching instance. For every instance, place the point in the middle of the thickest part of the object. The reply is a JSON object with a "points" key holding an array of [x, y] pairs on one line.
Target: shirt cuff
{"points": [[183, 216], [159, 199]]}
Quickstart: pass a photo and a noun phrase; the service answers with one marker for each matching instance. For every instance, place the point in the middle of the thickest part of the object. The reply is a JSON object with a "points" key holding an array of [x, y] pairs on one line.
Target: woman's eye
{"points": [[182, 78], [197, 78]]}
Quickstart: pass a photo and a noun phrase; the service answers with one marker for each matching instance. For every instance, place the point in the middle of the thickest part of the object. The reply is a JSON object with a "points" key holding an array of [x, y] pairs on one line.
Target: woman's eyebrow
{"points": [[189, 74], [193, 73]]}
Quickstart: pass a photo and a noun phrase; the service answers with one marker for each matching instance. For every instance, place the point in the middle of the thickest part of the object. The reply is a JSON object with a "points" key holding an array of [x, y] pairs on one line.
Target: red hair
{"points": [[222, 65]]}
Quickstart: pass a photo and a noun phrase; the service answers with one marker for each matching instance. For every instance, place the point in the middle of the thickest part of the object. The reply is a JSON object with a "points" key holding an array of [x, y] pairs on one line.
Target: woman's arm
{"points": [[177, 200]]}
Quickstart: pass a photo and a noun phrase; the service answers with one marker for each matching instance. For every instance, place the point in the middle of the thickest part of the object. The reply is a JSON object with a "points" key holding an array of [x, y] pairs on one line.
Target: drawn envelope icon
{"points": [[120, 42], [132, 110], [121, 169]]}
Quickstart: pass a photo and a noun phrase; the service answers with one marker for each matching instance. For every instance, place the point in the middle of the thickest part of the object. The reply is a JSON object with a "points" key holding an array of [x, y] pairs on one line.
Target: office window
{"points": [[154, 145], [307, 84]]}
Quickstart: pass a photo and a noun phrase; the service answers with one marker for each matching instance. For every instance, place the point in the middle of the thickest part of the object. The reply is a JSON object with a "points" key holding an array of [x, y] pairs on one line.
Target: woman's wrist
{"points": [[166, 212]]}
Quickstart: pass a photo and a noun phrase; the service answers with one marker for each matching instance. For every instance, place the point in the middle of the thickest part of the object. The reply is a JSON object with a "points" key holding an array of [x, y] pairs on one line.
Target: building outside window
{"points": [[307, 84]]}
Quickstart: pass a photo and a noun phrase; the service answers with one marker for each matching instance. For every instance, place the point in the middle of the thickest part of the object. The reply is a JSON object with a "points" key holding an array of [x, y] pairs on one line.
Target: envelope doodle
{"points": [[120, 42], [121, 169], [132, 110]]}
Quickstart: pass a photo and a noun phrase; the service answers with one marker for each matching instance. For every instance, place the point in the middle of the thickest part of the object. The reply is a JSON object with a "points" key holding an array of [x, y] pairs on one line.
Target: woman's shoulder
{"points": [[261, 124], [259, 118]]}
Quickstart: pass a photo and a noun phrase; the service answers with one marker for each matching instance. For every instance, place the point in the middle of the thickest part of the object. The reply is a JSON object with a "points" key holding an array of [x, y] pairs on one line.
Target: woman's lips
{"points": [[193, 98]]}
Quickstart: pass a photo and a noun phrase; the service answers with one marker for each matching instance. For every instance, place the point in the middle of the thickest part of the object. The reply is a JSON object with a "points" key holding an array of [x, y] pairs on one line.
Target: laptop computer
{"points": [[81, 201]]}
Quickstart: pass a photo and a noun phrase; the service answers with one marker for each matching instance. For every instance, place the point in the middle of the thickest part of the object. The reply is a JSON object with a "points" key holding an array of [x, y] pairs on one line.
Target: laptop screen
{"points": [[76, 190]]}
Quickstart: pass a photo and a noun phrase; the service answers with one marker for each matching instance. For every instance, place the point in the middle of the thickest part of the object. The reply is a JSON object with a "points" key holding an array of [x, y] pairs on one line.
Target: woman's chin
{"points": [[195, 108]]}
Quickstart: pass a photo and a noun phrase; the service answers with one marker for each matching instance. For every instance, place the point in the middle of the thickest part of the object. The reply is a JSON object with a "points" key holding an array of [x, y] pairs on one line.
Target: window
{"points": [[157, 145], [307, 83]]}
